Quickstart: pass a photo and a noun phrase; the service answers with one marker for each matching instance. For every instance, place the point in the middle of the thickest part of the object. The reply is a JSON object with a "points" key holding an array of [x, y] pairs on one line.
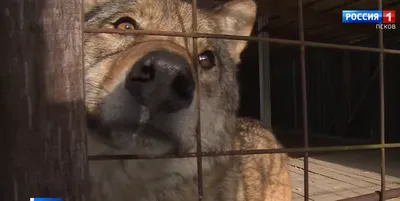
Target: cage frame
{"points": [[302, 43]]}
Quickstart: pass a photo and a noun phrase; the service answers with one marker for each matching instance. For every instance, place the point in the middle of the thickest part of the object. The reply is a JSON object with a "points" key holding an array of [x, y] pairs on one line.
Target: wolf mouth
{"points": [[119, 135]]}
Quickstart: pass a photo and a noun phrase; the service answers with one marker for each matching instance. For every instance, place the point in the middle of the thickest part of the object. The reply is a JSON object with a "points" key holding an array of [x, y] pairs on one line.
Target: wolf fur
{"points": [[119, 124]]}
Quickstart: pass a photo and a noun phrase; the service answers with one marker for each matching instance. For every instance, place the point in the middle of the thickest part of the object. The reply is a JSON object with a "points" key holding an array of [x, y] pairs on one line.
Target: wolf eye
{"points": [[125, 23], [206, 59]]}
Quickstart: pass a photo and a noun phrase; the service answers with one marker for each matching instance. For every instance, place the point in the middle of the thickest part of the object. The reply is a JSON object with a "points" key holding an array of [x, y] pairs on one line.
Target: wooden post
{"points": [[42, 119]]}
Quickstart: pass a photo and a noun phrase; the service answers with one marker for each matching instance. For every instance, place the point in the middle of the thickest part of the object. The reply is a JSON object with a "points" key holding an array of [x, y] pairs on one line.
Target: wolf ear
{"points": [[236, 17]]}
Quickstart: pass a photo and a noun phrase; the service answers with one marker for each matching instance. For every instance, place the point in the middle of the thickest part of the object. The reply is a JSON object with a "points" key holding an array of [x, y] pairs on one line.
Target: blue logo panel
{"points": [[45, 199], [362, 16]]}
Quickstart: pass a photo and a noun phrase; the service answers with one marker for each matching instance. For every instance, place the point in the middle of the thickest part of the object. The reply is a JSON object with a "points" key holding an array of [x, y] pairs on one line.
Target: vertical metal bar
{"points": [[382, 109], [304, 98], [264, 73], [198, 127]]}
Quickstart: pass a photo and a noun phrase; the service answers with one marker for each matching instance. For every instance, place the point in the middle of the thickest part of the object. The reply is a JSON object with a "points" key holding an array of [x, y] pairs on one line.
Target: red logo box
{"points": [[389, 16]]}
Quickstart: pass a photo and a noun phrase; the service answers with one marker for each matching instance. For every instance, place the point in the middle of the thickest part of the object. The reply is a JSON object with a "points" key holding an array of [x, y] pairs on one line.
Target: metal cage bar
{"points": [[382, 110], [248, 152], [302, 43], [246, 38], [303, 80], [198, 126]]}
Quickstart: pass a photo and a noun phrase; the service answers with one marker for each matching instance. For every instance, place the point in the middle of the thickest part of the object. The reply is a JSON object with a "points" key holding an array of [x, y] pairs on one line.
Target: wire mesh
{"points": [[306, 149]]}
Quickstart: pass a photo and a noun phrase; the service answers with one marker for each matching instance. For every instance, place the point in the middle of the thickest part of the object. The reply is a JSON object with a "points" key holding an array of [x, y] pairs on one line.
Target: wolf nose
{"points": [[162, 81]]}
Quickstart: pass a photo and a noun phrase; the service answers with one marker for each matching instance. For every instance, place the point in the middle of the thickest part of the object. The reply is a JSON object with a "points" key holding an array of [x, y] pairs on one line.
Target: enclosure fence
{"points": [[302, 44], [306, 149]]}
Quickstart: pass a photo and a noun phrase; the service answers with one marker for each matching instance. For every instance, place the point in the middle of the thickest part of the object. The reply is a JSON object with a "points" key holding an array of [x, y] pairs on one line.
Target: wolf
{"points": [[143, 96]]}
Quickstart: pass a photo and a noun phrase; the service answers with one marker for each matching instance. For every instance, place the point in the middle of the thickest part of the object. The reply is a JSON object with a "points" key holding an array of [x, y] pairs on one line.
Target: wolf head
{"points": [[141, 90]]}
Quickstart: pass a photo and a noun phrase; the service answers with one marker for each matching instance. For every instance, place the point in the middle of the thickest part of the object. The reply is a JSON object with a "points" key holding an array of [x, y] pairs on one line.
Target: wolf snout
{"points": [[162, 81]]}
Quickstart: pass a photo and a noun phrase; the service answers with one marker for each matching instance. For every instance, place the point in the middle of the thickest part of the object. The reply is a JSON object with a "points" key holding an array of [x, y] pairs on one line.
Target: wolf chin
{"points": [[142, 94]]}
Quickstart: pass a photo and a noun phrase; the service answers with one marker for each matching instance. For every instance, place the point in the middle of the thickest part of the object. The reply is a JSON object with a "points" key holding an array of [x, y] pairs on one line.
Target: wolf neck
{"points": [[114, 183], [124, 180]]}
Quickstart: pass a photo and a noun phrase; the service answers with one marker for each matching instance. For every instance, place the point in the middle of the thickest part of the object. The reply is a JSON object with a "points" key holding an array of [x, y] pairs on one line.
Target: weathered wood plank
{"points": [[330, 181], [42, 115]]}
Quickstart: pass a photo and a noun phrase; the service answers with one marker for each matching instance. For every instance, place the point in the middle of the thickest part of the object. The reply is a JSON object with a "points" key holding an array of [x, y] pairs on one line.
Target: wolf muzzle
{"points": [[162, 81]]}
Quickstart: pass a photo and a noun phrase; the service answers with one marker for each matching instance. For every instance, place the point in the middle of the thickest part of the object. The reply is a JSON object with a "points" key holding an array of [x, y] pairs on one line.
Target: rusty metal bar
{"points": [[249, 152], [247, 38], [198, 126], [382, 110], [304, 97], [376, 196]]}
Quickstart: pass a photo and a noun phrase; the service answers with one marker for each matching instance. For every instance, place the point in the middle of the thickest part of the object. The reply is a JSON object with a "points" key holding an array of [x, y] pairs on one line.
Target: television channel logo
{"points": [[45, 199], [369, 16]]}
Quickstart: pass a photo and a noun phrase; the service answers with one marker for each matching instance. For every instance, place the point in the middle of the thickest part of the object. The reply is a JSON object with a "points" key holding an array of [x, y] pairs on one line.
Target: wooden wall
{"points": [[343, 91]]}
